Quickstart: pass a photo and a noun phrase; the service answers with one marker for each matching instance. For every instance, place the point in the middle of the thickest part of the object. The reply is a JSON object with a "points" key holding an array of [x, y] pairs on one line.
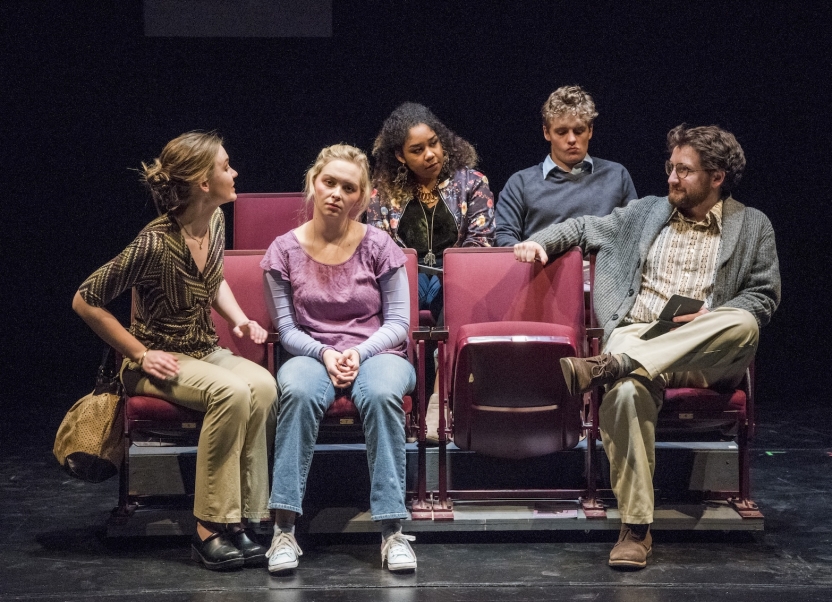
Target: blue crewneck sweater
{"points": [[529, 203]]}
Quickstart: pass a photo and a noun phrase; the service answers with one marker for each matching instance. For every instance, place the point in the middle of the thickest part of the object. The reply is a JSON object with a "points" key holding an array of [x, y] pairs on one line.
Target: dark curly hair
{"points": [[392, 137], [717, 148]]}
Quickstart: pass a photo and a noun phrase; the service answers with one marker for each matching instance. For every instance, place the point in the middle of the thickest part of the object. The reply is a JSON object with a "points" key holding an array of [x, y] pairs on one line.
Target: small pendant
{"points": [[430, 259]]}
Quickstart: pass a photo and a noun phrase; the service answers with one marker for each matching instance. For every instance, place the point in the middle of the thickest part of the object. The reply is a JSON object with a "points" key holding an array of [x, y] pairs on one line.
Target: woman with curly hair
{"points": [[418, 163]]}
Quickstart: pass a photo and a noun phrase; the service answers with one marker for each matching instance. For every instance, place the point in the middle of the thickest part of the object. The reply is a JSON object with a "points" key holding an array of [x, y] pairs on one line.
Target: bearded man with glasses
{"points": [[697, 242]]}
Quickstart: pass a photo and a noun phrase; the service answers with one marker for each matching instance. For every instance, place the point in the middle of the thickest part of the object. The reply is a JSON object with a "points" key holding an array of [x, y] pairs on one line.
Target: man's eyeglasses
{"points": [[682, 170]]}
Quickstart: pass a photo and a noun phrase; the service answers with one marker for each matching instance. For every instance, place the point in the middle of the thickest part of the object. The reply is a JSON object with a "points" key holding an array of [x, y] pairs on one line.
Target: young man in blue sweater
{"points": [[569, 183]]}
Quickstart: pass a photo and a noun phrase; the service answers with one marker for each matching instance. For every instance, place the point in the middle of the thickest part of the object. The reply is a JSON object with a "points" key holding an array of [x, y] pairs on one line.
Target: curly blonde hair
{"points": [[569, 99], [344, 152], [185, 161]]}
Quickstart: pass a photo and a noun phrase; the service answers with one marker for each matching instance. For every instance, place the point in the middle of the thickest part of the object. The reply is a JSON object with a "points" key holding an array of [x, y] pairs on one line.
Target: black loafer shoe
{"points": [[253, 553], [216, 552]]}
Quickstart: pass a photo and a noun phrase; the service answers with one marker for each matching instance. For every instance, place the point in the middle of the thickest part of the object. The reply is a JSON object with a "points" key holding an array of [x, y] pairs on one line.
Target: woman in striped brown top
{"points": [[175, 267]]}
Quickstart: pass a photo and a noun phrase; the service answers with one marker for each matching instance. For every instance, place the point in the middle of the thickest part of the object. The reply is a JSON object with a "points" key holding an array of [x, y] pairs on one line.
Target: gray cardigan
{"points": [[748, 275]]}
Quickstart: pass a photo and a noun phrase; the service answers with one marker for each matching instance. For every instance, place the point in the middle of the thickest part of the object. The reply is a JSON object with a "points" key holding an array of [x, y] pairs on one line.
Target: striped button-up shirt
{"points": [[681, 261]]}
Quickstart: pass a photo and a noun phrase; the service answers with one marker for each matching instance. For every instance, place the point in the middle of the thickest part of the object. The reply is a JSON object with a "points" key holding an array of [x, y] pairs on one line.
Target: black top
{"points": [[414, 228]]}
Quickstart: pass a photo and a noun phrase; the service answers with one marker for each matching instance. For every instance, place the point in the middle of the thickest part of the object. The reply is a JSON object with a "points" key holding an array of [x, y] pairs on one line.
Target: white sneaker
{"points": [[284, 551], [398, 553]]}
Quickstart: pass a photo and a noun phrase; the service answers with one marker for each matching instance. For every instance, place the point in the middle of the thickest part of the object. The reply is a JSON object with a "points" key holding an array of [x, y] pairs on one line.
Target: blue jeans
{"points": [[430, 295], [305, 393]]}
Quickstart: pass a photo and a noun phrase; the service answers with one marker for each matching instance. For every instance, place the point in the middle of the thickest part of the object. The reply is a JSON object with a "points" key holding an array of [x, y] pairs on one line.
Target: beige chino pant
{"points": [[239, 400], [712, 351]]}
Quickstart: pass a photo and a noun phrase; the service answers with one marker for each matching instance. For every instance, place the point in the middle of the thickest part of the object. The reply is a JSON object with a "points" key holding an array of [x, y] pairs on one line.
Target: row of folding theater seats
{"points": [[149, 418], [257, 220], [501, 388]]}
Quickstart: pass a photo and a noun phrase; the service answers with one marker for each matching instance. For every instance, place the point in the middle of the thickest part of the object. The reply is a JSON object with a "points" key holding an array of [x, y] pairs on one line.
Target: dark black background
{"points": [[86, 96]]}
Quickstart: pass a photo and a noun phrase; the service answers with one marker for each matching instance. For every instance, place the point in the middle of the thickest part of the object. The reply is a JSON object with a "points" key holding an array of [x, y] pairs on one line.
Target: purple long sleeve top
{"points": [[363, 303]]}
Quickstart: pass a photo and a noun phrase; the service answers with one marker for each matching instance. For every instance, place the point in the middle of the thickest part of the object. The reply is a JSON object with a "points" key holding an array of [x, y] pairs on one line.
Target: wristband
{"points": [[141, 359]]}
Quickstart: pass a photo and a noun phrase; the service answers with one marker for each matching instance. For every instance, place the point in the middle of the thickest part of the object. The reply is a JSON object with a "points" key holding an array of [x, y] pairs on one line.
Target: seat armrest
{"points": [[422, 333], [439, 334], [272, 337], [595, 333]]}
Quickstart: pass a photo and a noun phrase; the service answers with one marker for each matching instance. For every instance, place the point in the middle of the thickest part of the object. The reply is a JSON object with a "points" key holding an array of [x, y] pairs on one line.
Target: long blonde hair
{"points": [[185, 160]]}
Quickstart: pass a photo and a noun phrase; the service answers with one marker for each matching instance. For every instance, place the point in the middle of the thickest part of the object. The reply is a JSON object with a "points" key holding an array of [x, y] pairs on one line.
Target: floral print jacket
{"points": [[466, 195]]}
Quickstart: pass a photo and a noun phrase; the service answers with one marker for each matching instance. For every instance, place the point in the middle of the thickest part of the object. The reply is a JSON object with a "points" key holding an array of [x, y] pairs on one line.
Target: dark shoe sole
{"points": [[569, 376], [223, 565]]}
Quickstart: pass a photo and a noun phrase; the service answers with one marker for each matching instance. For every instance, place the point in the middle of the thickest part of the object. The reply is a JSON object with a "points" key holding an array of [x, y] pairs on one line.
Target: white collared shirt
{"points": [[585, 164]]}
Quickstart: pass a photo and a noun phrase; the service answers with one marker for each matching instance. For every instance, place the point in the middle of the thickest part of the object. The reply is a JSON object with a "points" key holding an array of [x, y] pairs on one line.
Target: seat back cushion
{"points": [[244, 275], [259, 218]]}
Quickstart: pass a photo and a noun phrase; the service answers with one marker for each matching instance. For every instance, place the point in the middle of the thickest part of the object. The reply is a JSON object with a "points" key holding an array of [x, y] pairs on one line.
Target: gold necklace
{"points": [[429, 197], [198, 241]]}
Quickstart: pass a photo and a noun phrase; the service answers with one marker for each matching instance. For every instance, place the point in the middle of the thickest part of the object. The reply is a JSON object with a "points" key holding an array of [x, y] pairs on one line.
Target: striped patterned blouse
{"points": [[173, 299], [682, 261]]}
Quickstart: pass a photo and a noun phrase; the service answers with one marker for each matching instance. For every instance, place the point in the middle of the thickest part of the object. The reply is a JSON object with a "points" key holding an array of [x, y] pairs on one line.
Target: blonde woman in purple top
{"points": [[338, 295]]}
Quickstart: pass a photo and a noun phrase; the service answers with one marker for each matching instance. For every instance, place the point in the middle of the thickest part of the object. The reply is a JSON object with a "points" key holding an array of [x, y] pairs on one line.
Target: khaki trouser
{"points": [[239, 400], [712, 351]]}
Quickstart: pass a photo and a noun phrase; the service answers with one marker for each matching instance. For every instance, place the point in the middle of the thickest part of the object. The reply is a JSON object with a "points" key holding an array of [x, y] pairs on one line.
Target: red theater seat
{"points": [[688, 412], [151, 418], [507, 326], [259, 218]]}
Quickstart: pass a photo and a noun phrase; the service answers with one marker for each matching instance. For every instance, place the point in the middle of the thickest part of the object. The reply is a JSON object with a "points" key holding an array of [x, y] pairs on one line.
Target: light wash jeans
{"points": [[305, 393]]}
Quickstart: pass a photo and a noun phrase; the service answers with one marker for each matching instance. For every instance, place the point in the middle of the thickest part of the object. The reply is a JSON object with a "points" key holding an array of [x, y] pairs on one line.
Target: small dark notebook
{"points": [[677, 305]]}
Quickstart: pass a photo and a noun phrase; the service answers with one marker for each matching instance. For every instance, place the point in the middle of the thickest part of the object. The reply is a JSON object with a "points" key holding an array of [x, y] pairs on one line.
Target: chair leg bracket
{"points": [[593, 508], [745, 508], [432, 509]]}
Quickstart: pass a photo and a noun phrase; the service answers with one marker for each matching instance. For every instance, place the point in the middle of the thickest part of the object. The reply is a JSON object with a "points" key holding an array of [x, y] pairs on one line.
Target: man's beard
{"points": [[683, 199]]}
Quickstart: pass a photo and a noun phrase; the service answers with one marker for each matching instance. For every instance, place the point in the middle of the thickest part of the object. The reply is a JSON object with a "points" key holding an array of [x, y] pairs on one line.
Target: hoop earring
{"points": [[445, 172], [401, 175]]}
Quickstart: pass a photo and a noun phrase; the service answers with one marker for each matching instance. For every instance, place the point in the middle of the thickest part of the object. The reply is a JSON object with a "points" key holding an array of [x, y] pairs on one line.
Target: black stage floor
{"points": [[52, 545]]}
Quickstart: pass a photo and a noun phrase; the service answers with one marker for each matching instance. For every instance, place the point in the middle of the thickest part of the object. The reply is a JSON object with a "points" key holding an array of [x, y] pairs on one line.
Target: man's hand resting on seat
{"points": [[529, 252]]}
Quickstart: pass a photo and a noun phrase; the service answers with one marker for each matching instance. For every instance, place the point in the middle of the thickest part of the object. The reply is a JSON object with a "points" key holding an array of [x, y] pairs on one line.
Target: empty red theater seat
{"points": [[508, 325]]}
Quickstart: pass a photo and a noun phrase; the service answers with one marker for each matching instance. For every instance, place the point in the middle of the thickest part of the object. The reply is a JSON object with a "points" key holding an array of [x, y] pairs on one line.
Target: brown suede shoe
{"points": [[631, 551], [584, 374]]}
